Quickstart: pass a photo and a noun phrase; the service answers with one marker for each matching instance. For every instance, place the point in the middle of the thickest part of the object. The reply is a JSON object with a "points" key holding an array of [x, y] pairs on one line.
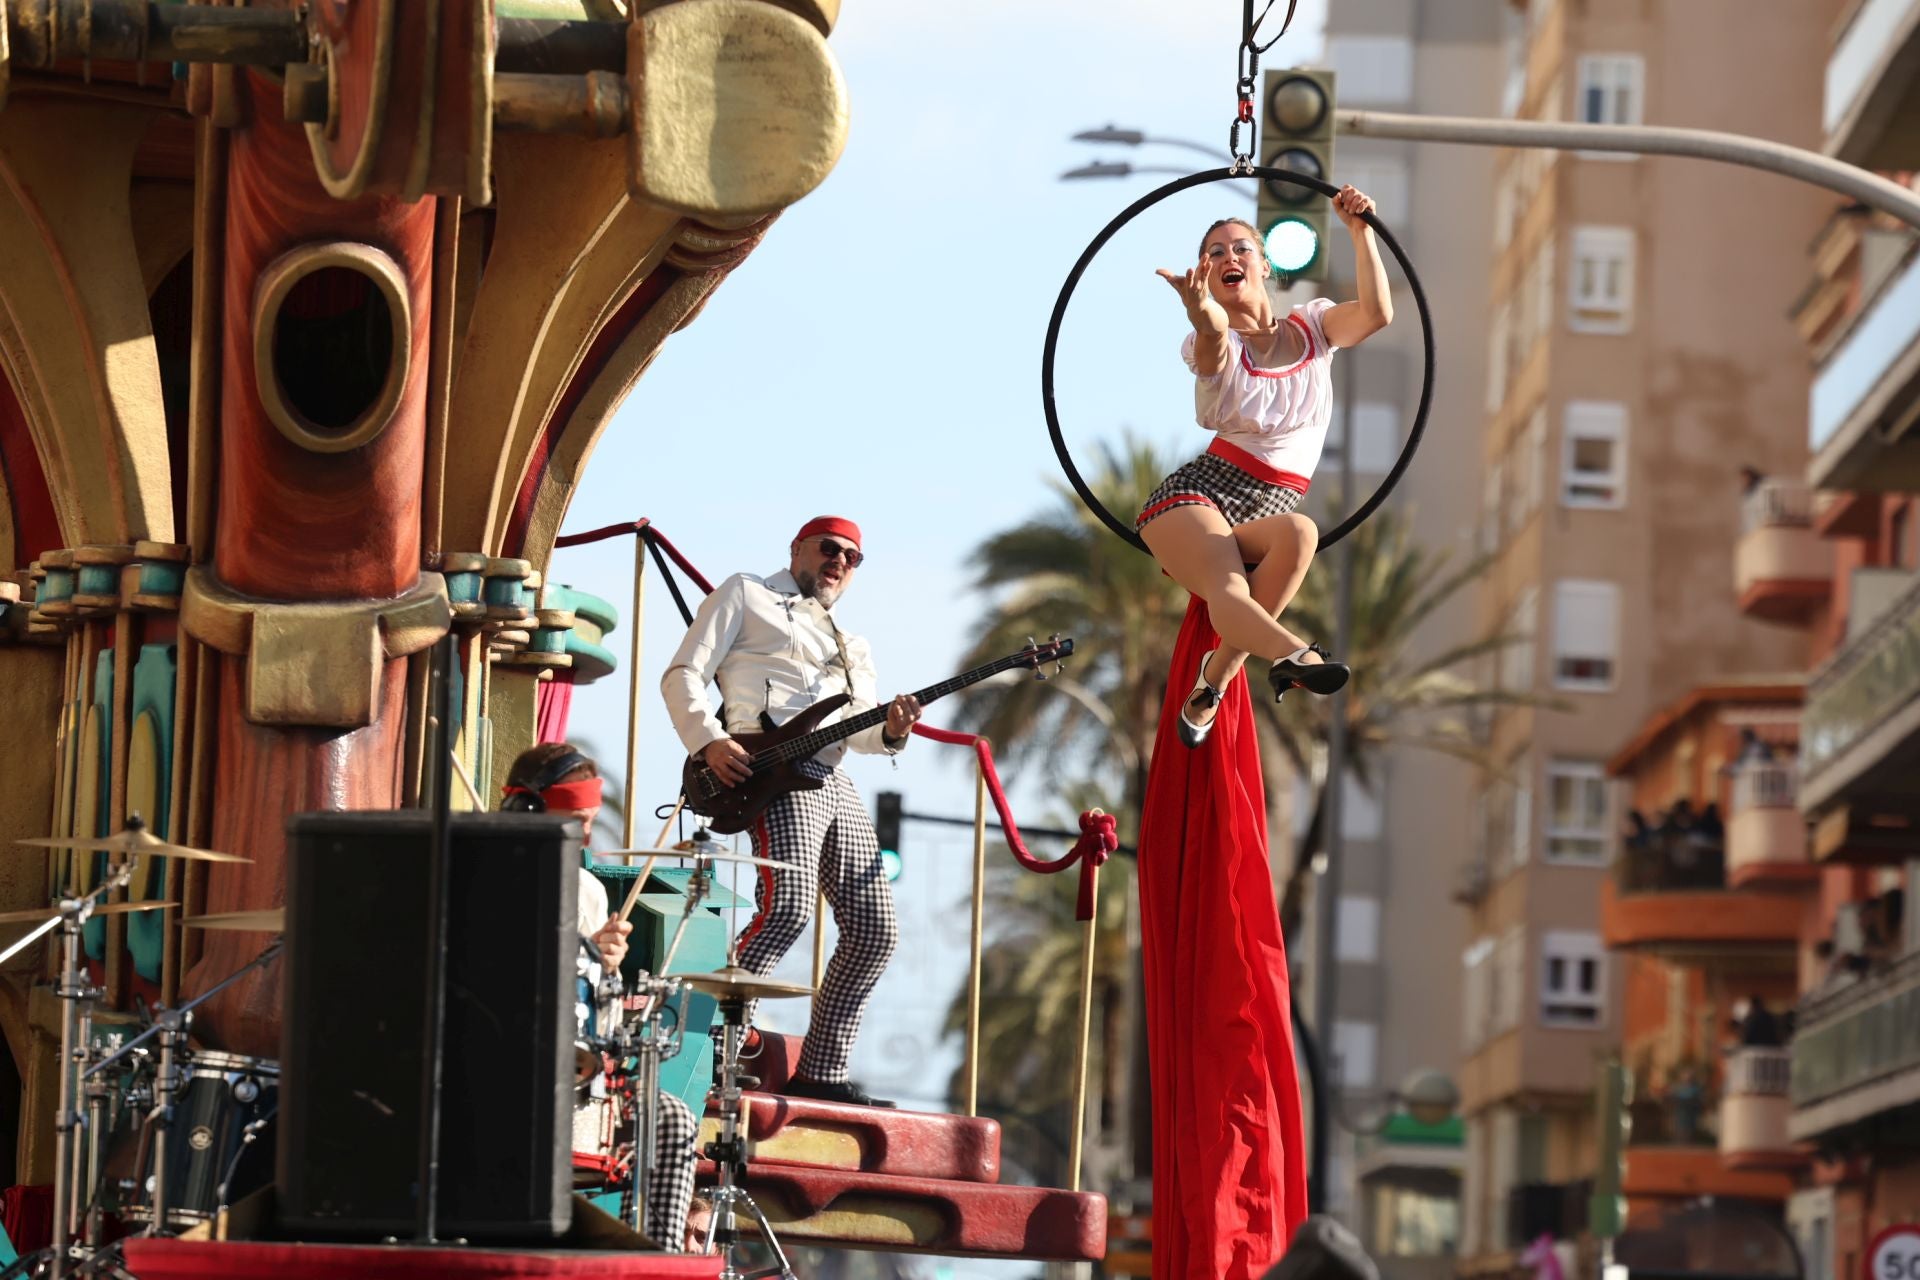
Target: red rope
{"points": [[645, 528], [1098, 836]]}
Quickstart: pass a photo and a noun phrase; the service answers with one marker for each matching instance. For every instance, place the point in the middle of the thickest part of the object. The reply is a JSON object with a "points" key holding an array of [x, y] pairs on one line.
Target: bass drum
{"points": [[220, 1146]]}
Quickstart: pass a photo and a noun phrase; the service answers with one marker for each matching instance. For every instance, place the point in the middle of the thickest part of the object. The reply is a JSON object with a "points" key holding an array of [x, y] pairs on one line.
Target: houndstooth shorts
{"points": [[1212, 481]]}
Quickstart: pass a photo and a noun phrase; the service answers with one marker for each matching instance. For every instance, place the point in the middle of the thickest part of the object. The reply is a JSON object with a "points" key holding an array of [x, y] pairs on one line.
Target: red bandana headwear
{"points": [[582, 793], [838, 526]]}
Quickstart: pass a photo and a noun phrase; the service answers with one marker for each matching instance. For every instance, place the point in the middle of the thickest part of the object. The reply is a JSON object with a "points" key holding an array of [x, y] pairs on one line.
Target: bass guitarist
{"points": [[774, 648]]}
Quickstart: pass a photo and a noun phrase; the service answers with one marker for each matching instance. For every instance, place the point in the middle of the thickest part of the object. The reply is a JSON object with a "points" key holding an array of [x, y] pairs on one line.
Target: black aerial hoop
{"points": [[1134, 210]]}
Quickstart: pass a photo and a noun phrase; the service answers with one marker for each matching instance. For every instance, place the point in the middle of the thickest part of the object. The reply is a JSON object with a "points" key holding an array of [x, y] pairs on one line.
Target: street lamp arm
{"points": [[1704, 144]]}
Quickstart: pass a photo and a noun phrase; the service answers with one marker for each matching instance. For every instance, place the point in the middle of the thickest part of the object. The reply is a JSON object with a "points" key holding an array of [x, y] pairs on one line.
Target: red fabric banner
{"points": [[1229, 1154], [553, 706]]}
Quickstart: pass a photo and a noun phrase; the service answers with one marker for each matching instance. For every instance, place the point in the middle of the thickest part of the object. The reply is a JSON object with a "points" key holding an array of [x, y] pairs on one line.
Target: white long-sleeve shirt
{"points": [[770, 649]]}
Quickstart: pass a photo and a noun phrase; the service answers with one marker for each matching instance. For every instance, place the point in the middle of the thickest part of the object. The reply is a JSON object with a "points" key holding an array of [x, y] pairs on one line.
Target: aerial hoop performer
{"points": [[1262, 384], [1229, 1142]]}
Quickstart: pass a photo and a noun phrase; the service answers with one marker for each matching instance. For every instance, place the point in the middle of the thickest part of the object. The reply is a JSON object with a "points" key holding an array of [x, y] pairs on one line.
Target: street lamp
{"points": [[1135, 137], [1115, 169], [1428, 1096]]}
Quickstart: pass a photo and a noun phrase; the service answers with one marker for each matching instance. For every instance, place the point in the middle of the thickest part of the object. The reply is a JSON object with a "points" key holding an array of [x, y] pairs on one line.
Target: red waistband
{"points": [[1254, 467]]}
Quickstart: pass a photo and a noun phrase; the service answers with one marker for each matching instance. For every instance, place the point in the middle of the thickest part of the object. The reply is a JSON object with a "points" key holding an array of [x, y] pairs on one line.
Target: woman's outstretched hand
{"points": [[1351, 204], [1203, 309]]}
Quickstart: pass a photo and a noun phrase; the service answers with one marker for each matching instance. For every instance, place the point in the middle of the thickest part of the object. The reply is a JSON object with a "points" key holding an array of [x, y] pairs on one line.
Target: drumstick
{"points": [[640, 881], [660, 841]]}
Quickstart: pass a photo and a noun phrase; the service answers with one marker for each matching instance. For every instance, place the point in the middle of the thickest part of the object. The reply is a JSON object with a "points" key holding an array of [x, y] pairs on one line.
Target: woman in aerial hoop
{"points": [[1262, 385]]}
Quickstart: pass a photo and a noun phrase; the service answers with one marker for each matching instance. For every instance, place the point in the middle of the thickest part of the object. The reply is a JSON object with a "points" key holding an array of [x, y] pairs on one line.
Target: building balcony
{"points": [[1754, 1109], [1860, 737], [1782, 572], [1861, 421], [1766, 836], [1669, 897], [1673, 1154], [1872, 92], [1856, 1051]]}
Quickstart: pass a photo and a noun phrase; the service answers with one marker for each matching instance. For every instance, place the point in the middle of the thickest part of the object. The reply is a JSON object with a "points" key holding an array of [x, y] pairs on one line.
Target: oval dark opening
{"points": [[332, 346]]}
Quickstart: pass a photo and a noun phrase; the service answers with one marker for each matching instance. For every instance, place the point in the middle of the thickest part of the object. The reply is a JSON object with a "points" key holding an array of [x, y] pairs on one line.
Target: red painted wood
{"points": [[293, 524], [260, 776], [197, 1259], [976, 1220], [36, 527], [911, 1144]]}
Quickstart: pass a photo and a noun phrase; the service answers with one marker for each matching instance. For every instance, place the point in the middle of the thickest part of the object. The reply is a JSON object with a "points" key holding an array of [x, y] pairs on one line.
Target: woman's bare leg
{"points": [[1281, 549], [1195, 545]]}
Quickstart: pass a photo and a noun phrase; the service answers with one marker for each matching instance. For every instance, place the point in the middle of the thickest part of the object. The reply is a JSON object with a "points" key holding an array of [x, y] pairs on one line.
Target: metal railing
{"points": [[1865, 682], [1766, 784], [1776, 504], [1858, 1034], [1755, 1071], [1679, 864]]}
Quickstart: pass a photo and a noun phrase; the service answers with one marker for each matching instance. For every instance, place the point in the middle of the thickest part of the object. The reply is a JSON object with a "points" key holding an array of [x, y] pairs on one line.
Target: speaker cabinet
{"points": [[353, 1034]]}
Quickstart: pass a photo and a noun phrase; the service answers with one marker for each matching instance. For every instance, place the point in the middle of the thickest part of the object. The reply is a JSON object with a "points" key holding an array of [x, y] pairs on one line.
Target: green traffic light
{"points": [[891, 864], [1292, 245]]}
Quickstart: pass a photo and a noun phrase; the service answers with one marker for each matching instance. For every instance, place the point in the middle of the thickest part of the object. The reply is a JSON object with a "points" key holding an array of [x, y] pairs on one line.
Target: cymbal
{"points": [[133, 840], [270, 920], [689, 855], [38, 914], [733, 982]]}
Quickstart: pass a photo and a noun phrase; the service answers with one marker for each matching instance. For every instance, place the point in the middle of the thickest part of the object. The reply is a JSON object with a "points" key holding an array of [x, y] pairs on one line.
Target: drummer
{"points": [[559, 778]]}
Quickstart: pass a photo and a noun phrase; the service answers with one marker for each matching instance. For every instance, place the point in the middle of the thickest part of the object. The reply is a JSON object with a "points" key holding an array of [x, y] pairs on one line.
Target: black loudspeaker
{"points": [[354, 1025]]}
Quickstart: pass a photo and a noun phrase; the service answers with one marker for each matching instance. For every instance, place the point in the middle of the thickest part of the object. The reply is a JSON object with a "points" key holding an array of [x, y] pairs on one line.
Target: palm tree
{"points": [[1065, 572]]}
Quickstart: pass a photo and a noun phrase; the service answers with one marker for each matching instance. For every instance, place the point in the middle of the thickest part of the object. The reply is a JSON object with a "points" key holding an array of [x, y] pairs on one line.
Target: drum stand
{"points": [[647, 1044], [729, 1155]]}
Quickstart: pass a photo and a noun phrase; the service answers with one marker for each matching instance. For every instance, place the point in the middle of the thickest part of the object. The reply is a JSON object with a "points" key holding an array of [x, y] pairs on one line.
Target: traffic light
{"points": [[1607, 1212], [886, 825], [1297, 135]]}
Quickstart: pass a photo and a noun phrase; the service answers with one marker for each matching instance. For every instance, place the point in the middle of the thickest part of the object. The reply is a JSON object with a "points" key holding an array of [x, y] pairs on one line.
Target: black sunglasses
{"points": [[852, 555]]}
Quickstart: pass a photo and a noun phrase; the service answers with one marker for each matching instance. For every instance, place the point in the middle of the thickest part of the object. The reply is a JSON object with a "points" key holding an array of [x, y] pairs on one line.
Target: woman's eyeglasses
{"points": [[1241, 248], [829, 549]]}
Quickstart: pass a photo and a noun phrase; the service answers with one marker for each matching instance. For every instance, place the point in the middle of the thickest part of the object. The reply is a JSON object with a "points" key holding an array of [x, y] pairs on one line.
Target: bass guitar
{"points": [[774, 754]]}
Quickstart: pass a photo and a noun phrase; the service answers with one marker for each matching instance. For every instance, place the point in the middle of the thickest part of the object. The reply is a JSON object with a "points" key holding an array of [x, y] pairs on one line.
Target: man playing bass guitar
{"points": [[773, 647]]}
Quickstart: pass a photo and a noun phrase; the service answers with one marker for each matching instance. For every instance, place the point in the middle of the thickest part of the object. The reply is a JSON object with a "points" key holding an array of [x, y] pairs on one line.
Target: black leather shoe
{"points": [[845, 1091], [1191, 734], [1323, 677]]}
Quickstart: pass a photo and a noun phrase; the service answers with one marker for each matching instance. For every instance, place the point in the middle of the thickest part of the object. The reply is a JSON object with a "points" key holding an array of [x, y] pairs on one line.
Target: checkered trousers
{"points": [[824, 842], [1212, 481], [670, 1183]]}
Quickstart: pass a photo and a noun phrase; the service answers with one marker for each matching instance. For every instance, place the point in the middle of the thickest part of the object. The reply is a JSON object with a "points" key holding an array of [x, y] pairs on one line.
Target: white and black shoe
{"points": [[1206, 695], [1322, 677]]}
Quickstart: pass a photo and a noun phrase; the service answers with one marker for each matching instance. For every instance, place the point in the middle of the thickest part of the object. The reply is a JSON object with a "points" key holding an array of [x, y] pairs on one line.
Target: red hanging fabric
{"points": [[1229, 1154], [553, 705]]}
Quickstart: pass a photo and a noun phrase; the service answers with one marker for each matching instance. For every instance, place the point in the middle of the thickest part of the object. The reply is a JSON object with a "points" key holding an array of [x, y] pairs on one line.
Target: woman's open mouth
{"points": [[1232, 276]]}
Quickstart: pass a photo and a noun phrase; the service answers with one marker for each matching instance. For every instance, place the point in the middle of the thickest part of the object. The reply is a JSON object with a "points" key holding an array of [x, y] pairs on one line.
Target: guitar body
{"points": [[733, 809]]}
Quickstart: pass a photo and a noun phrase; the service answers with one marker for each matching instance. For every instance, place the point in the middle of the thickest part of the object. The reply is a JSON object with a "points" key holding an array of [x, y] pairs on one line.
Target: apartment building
{"points": [[1397, 1181], [1641, 361]]}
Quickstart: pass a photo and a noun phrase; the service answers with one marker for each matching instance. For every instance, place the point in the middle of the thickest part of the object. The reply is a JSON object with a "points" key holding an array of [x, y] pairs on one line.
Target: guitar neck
{"points": [[812, 743]]}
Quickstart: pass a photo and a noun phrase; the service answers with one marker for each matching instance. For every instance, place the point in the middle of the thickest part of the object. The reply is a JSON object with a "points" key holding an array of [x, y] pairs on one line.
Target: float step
{"points": [[831, 1135]]}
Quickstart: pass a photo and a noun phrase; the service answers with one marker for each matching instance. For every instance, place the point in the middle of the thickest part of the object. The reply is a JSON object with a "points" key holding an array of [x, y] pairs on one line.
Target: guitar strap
{"points": [[846, 663]]}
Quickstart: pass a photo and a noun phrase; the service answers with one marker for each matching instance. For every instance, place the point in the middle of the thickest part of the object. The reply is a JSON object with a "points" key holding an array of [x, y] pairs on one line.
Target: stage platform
{"points": [[199, 1259]]}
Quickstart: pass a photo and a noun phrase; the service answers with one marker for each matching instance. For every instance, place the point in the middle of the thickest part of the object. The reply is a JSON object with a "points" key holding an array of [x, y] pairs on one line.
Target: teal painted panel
{"points": [[155, 674]]}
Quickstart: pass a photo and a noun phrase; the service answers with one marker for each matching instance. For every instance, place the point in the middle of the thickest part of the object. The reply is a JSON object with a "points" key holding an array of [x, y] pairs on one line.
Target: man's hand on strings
{"points": [[902, 712], [1203, 309], [728, 760]]}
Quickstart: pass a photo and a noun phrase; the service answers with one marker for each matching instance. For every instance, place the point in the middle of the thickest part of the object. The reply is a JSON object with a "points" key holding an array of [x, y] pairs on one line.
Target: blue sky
{"points": [[879, 356]]}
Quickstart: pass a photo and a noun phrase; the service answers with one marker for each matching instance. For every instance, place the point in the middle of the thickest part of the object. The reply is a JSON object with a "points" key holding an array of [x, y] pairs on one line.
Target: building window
{"points": [[1357, 932], [1600, 281], [1586, 635], [1573, 986], [1593, 459], [1355, 1046], [1610, 90], [1577, 820], [1477, 974], [1491, 498], [1509, 979], [1499, 336], [1372, 69], [1516, 659]]}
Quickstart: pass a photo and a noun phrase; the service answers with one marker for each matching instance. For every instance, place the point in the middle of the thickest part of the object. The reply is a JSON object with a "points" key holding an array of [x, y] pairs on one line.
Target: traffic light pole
{"points": [[1701, 144]]}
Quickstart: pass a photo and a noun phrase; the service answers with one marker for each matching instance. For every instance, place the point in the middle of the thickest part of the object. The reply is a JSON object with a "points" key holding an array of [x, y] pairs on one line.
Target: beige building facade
{"points": [[1639, 355]]}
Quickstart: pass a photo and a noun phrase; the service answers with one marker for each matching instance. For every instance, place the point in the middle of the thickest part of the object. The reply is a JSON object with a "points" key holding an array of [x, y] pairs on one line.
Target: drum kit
{"points": [[165, 1136]]}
